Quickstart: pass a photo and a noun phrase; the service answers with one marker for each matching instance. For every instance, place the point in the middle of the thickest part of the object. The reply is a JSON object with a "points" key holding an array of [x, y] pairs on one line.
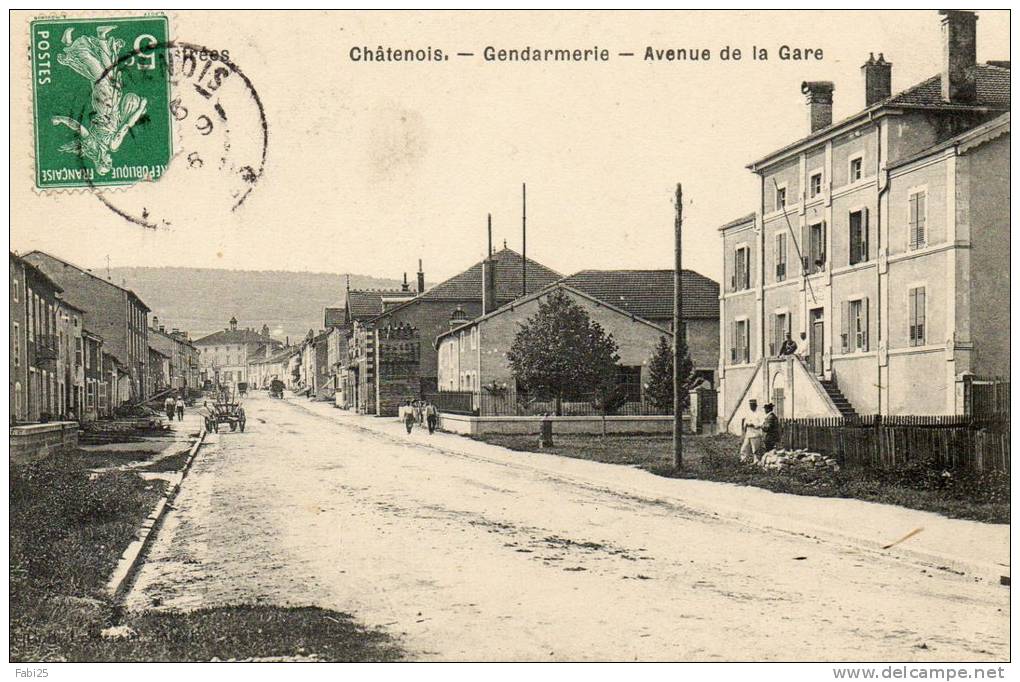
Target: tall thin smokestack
{"points": [[524, 239], [489, 302], [490, 235], [421, 278]]}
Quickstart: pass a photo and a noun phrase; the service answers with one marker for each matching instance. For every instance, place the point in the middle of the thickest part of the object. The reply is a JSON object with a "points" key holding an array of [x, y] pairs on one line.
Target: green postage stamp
{"points": [[102, 101]]}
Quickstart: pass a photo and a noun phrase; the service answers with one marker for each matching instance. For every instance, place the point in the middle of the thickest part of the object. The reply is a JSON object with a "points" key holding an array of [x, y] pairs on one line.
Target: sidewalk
{"points": [[976, 549]]}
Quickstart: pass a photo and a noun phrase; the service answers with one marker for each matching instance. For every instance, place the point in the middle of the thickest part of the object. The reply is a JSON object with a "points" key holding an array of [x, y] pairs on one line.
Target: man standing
{"points": [[770, 428], [751, 425], [789, 346], [180, 409], [431, 416], [168, 406]]}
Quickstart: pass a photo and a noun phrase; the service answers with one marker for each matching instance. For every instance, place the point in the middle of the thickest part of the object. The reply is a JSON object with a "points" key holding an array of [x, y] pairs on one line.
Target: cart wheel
{"points": [[241, 424]]}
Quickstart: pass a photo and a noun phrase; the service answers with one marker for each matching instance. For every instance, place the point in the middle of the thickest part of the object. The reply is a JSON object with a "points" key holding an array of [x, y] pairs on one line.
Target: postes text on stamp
{"points": [[102, 102]]}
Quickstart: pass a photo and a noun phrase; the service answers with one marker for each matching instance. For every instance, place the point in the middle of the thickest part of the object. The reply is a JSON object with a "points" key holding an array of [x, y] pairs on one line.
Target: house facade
{"points": [[223, 356], [113, 312], [17, 377], [184, 371], [648, 294], [472, 355], [870, 248]]}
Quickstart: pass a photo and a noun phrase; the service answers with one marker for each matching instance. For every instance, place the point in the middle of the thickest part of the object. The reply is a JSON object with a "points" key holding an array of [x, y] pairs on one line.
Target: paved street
{"points": [[474, 553]]}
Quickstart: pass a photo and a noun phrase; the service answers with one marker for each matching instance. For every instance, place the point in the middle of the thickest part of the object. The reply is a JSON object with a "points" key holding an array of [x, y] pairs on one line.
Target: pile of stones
{"points": [[780, 459]]}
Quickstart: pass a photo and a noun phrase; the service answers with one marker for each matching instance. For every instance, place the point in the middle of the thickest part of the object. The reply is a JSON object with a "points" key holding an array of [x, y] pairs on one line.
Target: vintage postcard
{"points": [[511, 336]]}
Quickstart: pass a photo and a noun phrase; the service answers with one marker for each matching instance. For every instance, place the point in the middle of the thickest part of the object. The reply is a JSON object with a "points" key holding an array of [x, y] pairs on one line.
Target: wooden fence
{"points": [[886, 442]]}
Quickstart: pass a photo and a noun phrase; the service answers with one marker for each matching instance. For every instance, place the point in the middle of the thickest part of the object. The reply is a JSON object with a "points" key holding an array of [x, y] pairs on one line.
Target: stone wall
{"points": [[462, 424], [35, 441]]}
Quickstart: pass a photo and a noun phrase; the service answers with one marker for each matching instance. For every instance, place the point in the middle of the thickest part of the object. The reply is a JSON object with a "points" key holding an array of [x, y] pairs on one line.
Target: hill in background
{"points": [[202, 300]]}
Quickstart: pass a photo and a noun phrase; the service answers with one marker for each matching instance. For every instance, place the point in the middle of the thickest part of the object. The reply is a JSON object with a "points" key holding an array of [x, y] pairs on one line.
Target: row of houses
{"points": [[80, 345], [383, 347], [880, 244]]}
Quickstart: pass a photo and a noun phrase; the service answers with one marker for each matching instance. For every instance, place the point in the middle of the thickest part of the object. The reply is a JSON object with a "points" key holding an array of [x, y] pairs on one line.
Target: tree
{"points": [[660, 374], [560, 353]]}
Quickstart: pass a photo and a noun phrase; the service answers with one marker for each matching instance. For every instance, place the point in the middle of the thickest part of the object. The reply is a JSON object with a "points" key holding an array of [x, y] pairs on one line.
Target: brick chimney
{"points": [[819, 101], [877, 79], [489, 302], [155, 321], [421, 278], [405, 286], [233, 324], [959, 56]]}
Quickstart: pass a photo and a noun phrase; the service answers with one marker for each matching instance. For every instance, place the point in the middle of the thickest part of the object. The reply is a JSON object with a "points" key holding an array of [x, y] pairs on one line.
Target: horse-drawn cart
{"points": [[224, 410]]}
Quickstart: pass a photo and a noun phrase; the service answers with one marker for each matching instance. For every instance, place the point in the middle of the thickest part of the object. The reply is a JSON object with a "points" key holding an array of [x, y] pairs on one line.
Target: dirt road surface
{"points": [[467, 557]]}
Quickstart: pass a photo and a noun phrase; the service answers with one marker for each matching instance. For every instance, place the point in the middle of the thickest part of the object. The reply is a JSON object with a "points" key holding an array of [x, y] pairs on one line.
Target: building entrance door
{"points": [[817, 345]]}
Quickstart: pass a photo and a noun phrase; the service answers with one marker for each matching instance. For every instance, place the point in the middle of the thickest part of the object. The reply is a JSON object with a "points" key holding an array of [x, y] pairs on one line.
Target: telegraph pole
{"points": [[678, 418]]}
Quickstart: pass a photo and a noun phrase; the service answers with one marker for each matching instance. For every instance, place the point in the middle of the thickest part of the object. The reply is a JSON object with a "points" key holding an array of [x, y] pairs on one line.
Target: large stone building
{"points": [[113, 312], [223, 356], [880, 246]]}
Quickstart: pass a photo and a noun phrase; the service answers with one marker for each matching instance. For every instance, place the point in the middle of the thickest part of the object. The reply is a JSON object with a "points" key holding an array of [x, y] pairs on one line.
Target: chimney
{"points": [[877, 79], [489, 302], [405, 286], [959, 56], [155, 321], [421, 278], [819, 101], [233, 324]]}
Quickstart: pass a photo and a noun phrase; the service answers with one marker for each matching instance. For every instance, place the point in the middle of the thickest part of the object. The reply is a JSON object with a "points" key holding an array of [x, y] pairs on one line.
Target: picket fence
{"points": [[890, 442]]}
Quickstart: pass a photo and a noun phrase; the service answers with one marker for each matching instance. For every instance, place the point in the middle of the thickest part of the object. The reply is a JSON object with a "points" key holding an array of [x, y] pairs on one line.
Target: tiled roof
{"points": [[739, 221], [333, 317], [467, 286], [237, 336], [363, 305], [992, 92], [649, 293]]}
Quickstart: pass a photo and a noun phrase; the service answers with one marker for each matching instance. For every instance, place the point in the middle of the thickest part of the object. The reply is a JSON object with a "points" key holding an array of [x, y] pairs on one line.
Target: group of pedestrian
{"points": [[174, 406], [760, 432], [420, 412]]}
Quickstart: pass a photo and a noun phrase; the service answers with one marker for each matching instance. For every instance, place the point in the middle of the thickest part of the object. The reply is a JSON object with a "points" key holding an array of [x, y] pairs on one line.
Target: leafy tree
{"points": [[560, 353], [660, 374]]}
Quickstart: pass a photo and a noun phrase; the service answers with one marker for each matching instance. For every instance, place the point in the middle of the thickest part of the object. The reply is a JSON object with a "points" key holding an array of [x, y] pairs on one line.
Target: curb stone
{"points": [[131, 559]]}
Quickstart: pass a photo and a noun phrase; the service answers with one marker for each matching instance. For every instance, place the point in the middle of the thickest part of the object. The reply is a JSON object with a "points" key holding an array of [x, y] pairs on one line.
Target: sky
{"points": [[371, 166]]}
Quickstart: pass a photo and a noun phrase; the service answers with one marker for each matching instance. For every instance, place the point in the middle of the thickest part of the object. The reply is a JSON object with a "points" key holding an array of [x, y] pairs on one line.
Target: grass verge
{"points": [[962, 494], [67, 532]]}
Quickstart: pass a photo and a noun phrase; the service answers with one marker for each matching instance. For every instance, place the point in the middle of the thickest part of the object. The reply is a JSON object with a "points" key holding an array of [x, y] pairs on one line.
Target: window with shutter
{"points": [[844, 327], [916, 303], [773, 347], [858, 236], [780, 256], [917, 218]]}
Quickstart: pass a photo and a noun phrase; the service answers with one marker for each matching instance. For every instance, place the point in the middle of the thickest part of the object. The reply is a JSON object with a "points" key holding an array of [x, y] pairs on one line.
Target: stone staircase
{"points": [[839, 400]]}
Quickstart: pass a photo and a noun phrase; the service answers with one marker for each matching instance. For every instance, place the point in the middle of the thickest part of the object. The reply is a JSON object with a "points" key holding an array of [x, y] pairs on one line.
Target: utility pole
{"points": [[524, 239], [678, 417]]}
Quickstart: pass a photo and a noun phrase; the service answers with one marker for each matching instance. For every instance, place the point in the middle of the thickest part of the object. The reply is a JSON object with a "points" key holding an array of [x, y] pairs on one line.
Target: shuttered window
{"points": [[859, 236], [740, 343], [916, 300], [741, 269], [854, 326], [816, 248], [780, 256], [918, 214]]}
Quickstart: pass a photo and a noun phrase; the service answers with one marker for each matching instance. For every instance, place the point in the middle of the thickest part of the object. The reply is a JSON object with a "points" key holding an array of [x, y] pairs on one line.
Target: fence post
{"points": [[879, 448]]}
